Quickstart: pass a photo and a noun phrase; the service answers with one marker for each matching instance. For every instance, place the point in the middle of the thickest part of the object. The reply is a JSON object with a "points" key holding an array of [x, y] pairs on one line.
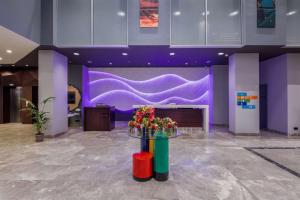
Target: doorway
{"points": [[263, 106], [11, 104]]}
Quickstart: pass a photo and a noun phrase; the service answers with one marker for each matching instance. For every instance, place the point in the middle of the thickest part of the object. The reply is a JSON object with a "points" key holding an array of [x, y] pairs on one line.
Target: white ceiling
{"points": [[19, 45]]}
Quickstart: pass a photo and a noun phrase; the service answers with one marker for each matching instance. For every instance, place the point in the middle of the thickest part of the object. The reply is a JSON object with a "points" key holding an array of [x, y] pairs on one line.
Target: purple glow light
{"points": [[156, 84], [189, 90], [126, 99], [169, 88], [144, 81]]}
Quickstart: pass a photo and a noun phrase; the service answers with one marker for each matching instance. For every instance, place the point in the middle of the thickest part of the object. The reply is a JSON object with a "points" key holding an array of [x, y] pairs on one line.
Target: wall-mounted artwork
{"points": [[266, 13], [149, 13], [247, 100]]}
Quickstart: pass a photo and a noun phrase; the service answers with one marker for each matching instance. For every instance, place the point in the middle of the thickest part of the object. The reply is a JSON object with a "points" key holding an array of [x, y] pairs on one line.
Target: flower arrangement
{"points": [[145, 118], [168, 123]]}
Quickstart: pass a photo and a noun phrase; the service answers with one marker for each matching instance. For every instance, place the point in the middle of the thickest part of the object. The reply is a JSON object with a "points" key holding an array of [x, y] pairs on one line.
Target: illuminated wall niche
{"points": [[110, 89]]}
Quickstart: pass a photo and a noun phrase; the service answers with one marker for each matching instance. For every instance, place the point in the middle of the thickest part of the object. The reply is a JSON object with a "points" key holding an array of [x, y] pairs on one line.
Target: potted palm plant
{"points": [[39, 117]]}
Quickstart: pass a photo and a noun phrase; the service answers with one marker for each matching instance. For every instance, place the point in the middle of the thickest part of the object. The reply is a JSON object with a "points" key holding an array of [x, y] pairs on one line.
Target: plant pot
{"points": [[39, 137]]}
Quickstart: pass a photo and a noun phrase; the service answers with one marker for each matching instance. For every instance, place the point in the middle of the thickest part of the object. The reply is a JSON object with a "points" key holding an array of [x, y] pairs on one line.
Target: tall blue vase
{"points": [[145, 140]]}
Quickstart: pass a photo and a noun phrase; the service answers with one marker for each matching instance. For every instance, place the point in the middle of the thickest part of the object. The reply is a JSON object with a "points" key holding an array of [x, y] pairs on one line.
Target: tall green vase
{"points": [[161, 157]]}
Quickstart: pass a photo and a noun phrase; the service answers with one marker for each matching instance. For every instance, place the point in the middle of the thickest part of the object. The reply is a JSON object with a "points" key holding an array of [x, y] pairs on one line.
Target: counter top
{"points": [[173, 106]]}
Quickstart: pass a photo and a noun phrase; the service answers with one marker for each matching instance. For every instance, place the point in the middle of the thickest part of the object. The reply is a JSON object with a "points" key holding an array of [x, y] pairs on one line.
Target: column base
{"points": [[161, 176], [141, 179]]}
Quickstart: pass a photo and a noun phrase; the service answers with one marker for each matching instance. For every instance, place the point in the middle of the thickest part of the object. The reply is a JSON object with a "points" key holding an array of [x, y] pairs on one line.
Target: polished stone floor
{"points": [[97, 165]]}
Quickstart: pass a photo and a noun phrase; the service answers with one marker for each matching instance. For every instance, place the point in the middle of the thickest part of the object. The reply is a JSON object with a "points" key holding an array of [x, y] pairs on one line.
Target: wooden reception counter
{"points": [[99, 118], [184, 115]]}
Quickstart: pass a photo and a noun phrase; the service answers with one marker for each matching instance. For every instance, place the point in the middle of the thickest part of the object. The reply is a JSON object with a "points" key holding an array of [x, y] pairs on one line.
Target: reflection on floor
{"points": [[97, 165]]}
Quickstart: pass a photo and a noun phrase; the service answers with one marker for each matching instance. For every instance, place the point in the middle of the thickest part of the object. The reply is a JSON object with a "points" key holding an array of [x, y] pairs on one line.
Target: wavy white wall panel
{"points": [[156, 86]]}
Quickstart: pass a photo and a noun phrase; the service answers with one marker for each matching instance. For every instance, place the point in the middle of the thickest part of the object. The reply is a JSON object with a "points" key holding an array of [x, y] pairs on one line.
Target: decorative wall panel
{"points": [[123, 92]]}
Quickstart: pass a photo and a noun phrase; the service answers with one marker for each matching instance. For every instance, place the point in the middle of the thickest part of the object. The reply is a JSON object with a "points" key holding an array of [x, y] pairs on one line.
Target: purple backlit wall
{"points": [[124, 87]]}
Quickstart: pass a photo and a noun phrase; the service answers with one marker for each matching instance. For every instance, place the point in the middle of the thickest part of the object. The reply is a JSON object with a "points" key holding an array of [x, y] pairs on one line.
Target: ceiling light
{"points": [[226, 55], [12, 65], [121, 14], [207, 13], [11, 84], [177, 13], [234, 13], [220, 53], [76, 54], [124, 54], [110, 63], [149, 63], [27, 65], [89, 61], [1, 58], [8, 51], [186, 63], [291, 13], [172, 54]]}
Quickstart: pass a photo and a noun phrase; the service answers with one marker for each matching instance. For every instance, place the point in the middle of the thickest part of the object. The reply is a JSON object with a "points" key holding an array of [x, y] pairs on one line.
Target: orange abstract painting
{"points": [[149, 13]]}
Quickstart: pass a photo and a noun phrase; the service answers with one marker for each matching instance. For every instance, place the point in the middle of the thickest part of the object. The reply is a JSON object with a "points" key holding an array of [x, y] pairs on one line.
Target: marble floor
{"points": [[97, 165]]}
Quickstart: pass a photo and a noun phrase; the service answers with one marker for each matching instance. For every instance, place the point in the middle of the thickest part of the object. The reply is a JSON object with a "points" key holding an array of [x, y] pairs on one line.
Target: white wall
{"points": [[219, 108], [293, 91], [243, 76], [53, 82], [282, 75], [274, 74]]}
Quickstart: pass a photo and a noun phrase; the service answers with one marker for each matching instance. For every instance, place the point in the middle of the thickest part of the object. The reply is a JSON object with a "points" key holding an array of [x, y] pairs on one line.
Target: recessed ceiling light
{"points": [[124, 54], [76, 54], [291, 13], [207, 13], [1, 58], [234, 13], [27, 65], [121, 14], [12, 65], [177, 13], [186, 63], [89, 61], [220, 53], [172, 54], [149, 63], [8, 51], [11, 84], [226, 55], [110, 63]]}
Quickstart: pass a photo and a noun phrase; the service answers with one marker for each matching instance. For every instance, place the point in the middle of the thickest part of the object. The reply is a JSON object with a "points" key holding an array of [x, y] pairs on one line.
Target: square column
{"points": [[244, 94], [53, 82]]}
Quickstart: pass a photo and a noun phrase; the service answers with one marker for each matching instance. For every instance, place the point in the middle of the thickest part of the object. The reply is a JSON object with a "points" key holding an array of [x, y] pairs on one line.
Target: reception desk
{"points": [[184, 115], [99, 118]]}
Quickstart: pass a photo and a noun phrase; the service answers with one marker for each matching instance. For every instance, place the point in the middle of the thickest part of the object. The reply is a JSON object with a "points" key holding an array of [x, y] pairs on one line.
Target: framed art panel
{"points": [[149, 15]]}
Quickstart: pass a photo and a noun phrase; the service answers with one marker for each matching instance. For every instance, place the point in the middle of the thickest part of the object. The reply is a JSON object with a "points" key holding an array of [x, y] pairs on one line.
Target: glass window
{"points": [[293, 22], [73, 22], [224, 22], [187, 22], [110, 22]]}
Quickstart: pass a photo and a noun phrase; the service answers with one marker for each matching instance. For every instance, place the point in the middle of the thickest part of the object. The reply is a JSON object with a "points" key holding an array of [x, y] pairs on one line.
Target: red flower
{"points": [[138, 126]]}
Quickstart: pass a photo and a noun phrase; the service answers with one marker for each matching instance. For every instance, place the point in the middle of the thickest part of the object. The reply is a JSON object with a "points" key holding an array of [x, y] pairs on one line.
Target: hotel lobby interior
{"points": [[149, 99]]}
